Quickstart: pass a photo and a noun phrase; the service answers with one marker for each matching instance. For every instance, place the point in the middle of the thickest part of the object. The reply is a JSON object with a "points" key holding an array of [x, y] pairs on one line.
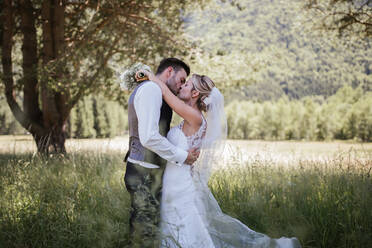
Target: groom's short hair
{"points": [[176, 64]]}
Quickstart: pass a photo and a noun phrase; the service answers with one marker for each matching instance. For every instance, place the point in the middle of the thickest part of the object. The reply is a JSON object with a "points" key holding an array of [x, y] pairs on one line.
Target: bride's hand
{"points": [[148, 74], [151, 77]]}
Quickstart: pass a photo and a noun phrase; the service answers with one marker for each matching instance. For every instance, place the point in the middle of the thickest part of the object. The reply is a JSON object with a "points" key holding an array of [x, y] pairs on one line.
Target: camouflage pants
{"points": [[144, 186]]}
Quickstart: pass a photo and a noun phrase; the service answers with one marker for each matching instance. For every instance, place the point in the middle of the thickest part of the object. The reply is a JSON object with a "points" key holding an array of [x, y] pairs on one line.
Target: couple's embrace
{"points": [[168, 168]]}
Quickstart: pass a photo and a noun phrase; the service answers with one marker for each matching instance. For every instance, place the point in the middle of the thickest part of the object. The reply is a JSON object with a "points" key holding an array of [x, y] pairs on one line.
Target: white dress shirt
{"points": [[147, 104]]}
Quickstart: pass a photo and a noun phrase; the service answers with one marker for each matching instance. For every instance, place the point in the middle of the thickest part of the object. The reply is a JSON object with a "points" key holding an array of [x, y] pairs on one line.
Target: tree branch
{"points": [[89, 81], [342, 19], [353, 16]]}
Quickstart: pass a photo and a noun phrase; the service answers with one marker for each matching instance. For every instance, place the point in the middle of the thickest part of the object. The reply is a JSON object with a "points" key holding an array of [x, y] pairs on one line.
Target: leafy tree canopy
{"points": [[56, 51]]}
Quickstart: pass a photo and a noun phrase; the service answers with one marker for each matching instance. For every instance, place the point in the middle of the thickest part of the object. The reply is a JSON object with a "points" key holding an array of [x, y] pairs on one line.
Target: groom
{"points": [[149, 118]]}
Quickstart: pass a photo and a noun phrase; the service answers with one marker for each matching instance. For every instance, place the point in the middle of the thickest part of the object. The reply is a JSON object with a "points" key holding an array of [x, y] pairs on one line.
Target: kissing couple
{"points": [[168, 169]]}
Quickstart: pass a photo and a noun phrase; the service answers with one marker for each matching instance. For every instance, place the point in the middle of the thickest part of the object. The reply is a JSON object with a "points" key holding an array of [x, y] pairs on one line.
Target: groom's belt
{"points": [[142, 156], [143, 163]]}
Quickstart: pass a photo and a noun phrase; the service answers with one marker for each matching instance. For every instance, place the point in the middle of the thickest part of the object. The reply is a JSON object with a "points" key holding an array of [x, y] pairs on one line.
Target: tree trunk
{"points": [[53, 141], [25, 119], [55, 112], [47, 125]]}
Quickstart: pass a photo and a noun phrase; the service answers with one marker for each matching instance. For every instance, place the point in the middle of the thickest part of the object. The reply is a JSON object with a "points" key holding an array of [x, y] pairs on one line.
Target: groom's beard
{"points": [[172, 85]]}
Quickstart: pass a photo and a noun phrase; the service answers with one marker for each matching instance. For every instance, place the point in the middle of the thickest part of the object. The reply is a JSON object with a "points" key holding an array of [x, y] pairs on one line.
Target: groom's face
{"points": [[176, 80]]}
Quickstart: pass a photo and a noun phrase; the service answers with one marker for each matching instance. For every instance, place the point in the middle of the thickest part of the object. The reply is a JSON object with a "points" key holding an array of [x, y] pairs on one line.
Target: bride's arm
{"points": [[187, 112]]}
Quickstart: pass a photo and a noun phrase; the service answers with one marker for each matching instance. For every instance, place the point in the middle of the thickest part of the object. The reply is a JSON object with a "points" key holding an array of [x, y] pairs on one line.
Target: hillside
{"points": [[265, 49]]}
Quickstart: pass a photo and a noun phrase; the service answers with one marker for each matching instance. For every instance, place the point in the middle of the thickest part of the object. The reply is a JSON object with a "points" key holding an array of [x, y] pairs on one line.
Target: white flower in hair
{"points": [[207, 100]]}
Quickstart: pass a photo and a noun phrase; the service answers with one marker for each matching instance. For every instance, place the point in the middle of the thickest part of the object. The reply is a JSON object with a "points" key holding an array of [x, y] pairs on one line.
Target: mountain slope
{"points": [[267, 49]]}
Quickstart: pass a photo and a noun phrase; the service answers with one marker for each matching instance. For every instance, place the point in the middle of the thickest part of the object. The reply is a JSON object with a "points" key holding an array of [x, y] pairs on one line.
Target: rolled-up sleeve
{"points": [[147, 103]]}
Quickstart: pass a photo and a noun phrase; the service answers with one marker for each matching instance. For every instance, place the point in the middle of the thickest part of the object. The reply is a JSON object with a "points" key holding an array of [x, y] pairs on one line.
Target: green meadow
{"points": [[80, 200]]}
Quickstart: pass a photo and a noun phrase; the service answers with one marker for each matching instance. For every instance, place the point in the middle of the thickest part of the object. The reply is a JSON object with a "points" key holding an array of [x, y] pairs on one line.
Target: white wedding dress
{"points": [[190, 215]]}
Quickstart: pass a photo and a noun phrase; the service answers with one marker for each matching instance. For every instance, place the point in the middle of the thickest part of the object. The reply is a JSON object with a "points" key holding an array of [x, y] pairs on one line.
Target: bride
{"points": [[190, 215]]}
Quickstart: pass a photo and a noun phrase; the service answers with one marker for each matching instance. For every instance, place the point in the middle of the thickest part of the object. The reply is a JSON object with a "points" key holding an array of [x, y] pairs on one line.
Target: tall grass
{"points": [[323, 203], [78, 201], [81, 201]]}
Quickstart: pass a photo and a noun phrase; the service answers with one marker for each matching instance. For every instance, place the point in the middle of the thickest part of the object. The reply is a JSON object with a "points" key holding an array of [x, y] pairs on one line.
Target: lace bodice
{"points": [[195, 140]]}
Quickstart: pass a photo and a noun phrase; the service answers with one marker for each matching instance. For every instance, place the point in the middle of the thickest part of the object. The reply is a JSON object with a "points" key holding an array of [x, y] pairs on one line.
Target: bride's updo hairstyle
{"points": [[204, 86]]}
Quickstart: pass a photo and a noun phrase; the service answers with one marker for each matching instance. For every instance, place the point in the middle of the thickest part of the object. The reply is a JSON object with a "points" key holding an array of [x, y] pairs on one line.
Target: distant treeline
{"points": [[345, 115], [8, 124], [97, 117], [92, 117]]}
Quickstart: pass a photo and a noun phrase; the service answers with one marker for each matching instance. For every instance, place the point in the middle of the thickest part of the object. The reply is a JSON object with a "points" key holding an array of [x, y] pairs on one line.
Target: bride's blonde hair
{"points": [[204, 86]]}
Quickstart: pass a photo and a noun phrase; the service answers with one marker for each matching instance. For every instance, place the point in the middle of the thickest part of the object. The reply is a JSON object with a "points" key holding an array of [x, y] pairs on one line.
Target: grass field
{"points": [[245, 150], [318, 192]]}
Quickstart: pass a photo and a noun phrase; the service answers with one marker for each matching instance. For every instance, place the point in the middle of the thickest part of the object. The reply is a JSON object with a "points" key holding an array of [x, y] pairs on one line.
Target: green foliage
{"points": [[102, 38], [57, 53], [346, 115], [8, 124], [97, 117], [82, 122], [267, 49], [92, 117], [110, 118]]}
